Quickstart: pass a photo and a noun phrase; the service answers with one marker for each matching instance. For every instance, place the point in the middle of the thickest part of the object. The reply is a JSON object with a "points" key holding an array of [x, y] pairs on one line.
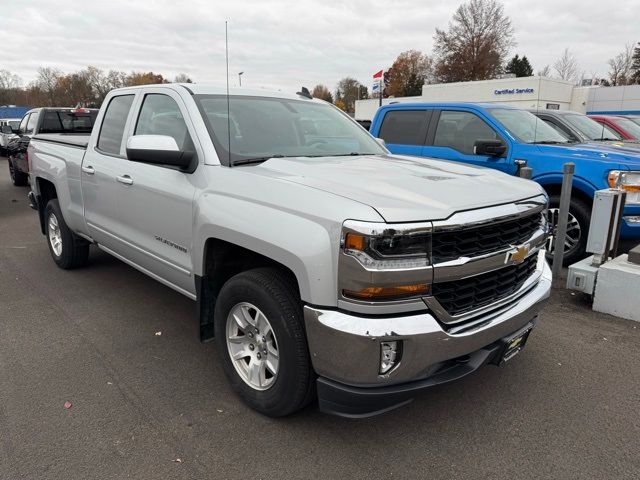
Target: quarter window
{"points": [[23, 124], [160, 115], [113, 123], [31, 124], [461, 130], [406, 127]]}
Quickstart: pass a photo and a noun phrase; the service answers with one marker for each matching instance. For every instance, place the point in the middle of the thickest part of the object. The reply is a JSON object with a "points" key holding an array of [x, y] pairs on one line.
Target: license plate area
{"points": [[513, 344]]}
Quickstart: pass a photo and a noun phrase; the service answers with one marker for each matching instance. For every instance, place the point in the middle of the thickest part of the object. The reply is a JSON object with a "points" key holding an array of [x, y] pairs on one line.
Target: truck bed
{"points": [[79, 140]]}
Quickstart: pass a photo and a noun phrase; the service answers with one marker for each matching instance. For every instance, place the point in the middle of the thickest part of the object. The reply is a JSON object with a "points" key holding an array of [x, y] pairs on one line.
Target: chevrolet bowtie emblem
{"points": [[518, 254]]}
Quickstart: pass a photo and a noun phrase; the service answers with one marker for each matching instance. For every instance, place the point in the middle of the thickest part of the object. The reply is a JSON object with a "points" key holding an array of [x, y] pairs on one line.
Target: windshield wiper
{"points": [[248, 161], [607, 139], [551, 142]]}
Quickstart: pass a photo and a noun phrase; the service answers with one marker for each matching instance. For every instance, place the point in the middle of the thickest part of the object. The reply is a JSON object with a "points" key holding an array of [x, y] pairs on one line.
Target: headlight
{"points": [[629, 181], [381, 262]]}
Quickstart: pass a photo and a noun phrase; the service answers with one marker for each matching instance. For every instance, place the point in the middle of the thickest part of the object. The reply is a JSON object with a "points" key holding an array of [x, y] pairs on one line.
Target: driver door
{"points": [[456, 132]]}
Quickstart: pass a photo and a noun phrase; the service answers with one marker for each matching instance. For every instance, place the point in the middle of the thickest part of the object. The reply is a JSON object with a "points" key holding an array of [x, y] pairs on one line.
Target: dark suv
{"points": [[40, 121]]}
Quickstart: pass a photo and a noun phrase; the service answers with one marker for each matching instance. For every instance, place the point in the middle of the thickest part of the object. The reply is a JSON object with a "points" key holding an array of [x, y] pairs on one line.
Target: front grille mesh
{"points": [[461, 296], [476, 241]]}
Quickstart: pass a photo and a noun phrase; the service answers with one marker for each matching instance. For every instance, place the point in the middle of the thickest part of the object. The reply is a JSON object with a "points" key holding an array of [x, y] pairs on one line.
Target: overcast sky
{"points": [[285, 44]]}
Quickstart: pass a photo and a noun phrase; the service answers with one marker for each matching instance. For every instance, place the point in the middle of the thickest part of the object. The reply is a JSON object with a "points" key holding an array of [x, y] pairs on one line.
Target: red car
{"points": [[627, 128]]}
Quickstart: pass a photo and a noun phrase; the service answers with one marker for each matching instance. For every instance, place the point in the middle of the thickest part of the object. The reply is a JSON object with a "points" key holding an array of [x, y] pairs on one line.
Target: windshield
{"points": [[526, 127], [14, 124], [632, 128], [590, 128], [263, 128]]}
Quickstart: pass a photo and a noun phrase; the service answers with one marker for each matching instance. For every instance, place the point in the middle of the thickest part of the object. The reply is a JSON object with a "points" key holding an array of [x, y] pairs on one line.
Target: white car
{"points": [[6, 134]]}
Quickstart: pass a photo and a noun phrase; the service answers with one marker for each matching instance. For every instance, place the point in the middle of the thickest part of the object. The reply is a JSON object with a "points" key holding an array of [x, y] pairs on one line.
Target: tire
{"points": [[579, 220], [273, 294], [18, 178], [67, 249]]}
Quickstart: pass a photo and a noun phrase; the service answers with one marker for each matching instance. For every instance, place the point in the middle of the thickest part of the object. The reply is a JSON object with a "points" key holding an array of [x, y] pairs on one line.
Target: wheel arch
{"points": [[221, 261], [46, 191]]}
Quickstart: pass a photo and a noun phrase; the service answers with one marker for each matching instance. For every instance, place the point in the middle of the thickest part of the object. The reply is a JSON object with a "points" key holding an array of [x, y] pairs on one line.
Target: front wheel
{"points": [[260, 336], [577, 228]]}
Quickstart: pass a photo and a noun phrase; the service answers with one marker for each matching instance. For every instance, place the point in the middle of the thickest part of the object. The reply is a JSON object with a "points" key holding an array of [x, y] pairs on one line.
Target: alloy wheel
{"points": [[252, 346], [574, 231], [55, 237]]}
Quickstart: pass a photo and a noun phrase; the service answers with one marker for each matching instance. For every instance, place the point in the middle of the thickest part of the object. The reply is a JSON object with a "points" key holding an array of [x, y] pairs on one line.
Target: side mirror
{"points": [[7, 129], [157, 149], [489, 148], [381, 142]]}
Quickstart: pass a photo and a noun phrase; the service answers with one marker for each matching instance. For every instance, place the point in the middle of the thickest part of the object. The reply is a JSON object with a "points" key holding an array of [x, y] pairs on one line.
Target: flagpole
{"points": [[380, 90]]}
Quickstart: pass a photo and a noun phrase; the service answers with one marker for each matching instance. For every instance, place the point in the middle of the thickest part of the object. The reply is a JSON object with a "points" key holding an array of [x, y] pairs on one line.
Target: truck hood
{"points": [[400, 188], [618, 156]]}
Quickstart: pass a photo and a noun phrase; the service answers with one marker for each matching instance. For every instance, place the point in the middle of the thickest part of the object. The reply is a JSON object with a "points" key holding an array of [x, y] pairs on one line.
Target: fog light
{"points": [[389, 356]]}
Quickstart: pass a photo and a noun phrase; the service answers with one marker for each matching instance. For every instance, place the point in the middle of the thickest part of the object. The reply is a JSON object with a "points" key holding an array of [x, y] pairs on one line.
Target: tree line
{"points": [[475, 46], [87, 87]]}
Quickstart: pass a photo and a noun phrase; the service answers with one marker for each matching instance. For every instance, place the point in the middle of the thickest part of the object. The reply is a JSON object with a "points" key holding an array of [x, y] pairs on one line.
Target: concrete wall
{"points": [[523, 92], [614, 100]]}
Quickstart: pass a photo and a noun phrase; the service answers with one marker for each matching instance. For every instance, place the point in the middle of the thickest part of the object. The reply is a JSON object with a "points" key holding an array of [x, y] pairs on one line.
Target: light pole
{"points": [[240, 78]]}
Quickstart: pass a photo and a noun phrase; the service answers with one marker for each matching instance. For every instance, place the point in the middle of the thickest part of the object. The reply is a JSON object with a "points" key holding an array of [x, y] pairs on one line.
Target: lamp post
{"points": [[240, 78]]}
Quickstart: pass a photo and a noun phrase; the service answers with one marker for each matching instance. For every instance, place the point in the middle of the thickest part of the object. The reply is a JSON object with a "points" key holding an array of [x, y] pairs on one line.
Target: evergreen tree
{"points": [[519, 66]]}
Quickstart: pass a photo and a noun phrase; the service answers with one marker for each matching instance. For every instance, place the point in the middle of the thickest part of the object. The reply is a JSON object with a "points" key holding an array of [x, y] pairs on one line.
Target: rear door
{"points": [[453, 134], [102, 163], [405, 131]]}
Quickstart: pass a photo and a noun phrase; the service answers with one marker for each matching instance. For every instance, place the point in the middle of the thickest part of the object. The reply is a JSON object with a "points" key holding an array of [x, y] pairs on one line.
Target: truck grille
{"points": [[476, 241], [461, 296]]}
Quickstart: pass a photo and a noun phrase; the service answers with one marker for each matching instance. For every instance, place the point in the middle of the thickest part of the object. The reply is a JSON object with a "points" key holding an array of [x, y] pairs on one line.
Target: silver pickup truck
{"points": [[323, 266]]}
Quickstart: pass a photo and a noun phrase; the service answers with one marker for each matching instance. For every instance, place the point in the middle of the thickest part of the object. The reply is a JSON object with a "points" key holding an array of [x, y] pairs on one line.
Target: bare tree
{"points": [[182, 78], [322, 92], [348, 91], [566, 66], [620, 67], [47, 82], [545, 72], [476, 44], [9, 80]]}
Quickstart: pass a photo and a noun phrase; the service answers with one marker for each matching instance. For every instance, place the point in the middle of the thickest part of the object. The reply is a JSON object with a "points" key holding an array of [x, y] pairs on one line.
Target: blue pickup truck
{"points": [[506, 138]]}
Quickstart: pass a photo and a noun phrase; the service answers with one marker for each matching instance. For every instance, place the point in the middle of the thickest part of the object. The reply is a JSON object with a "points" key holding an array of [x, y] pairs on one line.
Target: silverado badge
{"points": [[518, 254]]}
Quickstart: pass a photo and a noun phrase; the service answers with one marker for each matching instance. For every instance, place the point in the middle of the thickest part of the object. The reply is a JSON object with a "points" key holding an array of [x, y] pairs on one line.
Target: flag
{"points": [[378, 74]]}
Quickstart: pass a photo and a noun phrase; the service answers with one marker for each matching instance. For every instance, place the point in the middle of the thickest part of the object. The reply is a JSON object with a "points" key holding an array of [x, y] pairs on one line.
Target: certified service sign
{"points": [[513, 91]]}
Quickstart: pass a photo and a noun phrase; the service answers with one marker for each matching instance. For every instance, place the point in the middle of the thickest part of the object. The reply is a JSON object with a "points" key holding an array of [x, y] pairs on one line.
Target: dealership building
{"points": [[522, 92]]}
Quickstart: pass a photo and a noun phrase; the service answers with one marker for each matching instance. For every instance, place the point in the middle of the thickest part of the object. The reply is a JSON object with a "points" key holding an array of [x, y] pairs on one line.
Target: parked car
{"points": [[577, 127], [322, 265], [634, 118], [504, 138], [64, 121], [8, 129], [626, 128]]}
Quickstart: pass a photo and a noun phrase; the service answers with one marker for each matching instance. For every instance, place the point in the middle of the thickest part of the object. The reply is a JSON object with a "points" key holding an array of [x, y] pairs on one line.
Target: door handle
{"points": [[126, 179], [89, 170]]}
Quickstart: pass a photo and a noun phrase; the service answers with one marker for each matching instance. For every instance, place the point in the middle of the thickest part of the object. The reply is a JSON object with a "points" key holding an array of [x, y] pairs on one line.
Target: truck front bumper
{"points": [[345, 350]]}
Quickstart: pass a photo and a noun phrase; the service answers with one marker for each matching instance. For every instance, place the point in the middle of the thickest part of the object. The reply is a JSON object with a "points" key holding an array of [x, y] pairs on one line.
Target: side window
{"points": [[113, 123], [460, 130], [31, 124], [160, 115], [557, 128], [23, 124], [404, 127]]}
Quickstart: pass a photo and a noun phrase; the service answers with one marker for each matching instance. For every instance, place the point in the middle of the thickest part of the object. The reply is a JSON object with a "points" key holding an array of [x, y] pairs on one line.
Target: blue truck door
{"points": [[453, 134], [405, 131]]}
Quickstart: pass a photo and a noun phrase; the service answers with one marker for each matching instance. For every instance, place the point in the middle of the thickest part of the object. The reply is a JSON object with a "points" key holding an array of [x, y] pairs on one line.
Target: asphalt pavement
{"points": [[149, 401]]}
